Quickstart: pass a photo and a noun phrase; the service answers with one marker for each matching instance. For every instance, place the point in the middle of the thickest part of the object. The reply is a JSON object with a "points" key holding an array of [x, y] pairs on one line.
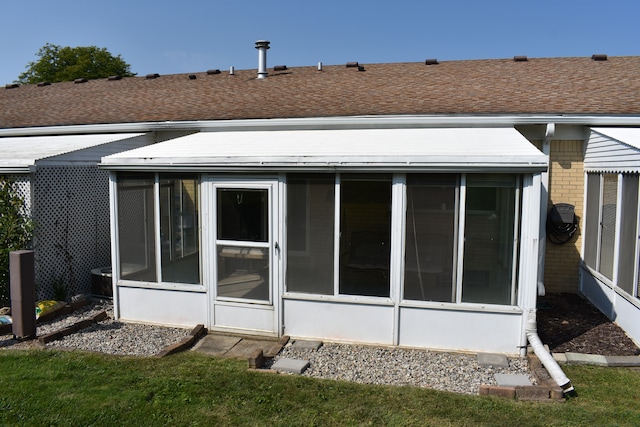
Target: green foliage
{"points": [[60, 289], [16, 230], [59, 64]]}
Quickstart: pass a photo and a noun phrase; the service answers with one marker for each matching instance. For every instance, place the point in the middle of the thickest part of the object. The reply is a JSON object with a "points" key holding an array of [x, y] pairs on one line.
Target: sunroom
{"points": [[610, 252], [413, 237]]}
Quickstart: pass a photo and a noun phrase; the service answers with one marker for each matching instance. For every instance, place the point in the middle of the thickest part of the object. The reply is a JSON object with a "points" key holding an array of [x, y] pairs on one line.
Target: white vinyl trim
{"points": [[435, 149]]}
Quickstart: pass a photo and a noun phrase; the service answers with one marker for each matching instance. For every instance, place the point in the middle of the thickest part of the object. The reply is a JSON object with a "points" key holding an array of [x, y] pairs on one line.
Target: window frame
{"points": [[622, 223], [398, 249], [158, 177]]}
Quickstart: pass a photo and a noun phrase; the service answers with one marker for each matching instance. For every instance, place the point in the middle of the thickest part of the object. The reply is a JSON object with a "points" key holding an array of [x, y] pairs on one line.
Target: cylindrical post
{"points": [[23, 294], [262, 46]]}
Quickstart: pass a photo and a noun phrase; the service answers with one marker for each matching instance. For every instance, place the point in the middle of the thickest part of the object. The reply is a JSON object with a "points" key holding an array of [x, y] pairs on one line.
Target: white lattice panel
{"points": [[71, 211], [22, 184]]}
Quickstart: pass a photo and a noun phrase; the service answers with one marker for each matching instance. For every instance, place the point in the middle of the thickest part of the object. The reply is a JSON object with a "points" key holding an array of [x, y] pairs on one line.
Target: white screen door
{"points": [[246, 254]]}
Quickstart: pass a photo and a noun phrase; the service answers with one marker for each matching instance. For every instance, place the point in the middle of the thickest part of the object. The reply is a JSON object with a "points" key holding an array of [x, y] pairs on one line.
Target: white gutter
{"points": [[349, 122], [547, 360]]}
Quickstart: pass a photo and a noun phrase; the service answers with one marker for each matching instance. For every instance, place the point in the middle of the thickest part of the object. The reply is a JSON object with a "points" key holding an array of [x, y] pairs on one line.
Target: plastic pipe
{"points": [[547, 360]]}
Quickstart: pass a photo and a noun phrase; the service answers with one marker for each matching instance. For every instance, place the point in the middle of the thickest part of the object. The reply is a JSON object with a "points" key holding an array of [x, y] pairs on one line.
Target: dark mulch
{"points": [[570, 323]]}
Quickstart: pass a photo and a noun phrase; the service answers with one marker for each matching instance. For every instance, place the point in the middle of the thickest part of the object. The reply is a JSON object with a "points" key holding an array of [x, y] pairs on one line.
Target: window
{"points": [[365, 235], [628, 233], [136, 231], [179, 229], [177, 242], [608, 224], [489, 239], [310, 233], [438, 209], [430, 236], [611, 228]]}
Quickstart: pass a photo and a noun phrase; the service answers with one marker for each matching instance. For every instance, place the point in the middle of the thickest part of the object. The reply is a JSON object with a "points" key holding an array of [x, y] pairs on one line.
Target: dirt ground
{"points": [[570, 323]]}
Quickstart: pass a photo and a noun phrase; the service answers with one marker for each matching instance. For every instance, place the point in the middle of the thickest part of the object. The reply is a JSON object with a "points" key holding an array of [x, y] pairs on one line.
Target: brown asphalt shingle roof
{"points": [[537, 86]]}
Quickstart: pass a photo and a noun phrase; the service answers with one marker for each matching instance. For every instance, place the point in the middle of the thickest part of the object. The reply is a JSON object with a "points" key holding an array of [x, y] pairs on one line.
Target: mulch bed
{"points": [[570, 323]]}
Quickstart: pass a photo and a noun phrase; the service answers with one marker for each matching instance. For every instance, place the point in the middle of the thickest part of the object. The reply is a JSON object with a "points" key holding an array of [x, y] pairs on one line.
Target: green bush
{"points": [[16, 230]]}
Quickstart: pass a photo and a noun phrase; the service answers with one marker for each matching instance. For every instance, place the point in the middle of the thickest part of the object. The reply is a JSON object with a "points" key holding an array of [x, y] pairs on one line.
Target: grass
{"points": [[73, 388]]}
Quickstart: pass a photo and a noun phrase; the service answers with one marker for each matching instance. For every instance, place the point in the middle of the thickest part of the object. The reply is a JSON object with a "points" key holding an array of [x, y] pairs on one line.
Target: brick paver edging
{"points": [[187, 342], [82, 324]]}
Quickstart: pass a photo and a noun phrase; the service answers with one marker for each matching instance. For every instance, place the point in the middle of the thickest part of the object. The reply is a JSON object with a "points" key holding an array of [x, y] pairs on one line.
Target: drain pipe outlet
{"points": [[547, 360]]}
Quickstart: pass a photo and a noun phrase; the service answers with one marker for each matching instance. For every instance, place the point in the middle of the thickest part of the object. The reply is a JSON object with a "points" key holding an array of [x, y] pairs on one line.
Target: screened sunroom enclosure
{"points": [[430, 241]]}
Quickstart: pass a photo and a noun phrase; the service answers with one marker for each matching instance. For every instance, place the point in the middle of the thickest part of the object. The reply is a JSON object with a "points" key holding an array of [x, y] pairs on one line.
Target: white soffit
{"points": [[613, 150], [373, 149], [18, 154]]}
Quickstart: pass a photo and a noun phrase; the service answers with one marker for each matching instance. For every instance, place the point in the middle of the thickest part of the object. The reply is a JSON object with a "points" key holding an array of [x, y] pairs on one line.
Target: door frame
{"points": [[253, 316]]}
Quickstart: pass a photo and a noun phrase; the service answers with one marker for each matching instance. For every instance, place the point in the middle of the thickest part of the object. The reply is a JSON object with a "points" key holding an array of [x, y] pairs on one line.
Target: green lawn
{"points": [[80, 389]]}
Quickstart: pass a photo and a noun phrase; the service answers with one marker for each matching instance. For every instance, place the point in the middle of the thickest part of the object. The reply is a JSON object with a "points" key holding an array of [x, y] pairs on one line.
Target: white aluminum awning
{"points": [[438, 149], [613, 150], [20, 154]]}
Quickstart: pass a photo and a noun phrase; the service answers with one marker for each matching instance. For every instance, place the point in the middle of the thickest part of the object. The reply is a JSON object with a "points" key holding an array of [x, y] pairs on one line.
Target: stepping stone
{"points": [[512, 380], [292, 366], [306, 345], [496, 360]]}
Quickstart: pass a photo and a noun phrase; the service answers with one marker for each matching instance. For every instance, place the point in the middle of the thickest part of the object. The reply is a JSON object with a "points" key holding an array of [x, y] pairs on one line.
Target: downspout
{"points": [[544, 199], [531, 329], [545, 357]]}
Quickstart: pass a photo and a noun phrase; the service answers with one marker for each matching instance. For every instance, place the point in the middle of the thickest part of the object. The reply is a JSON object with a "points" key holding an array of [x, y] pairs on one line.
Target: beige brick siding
{"points": [[566, 185]]}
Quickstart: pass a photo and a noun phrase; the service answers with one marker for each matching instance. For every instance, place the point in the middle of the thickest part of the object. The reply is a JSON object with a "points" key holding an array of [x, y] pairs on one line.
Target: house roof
{"points": [[572, 86], [17, 155]]}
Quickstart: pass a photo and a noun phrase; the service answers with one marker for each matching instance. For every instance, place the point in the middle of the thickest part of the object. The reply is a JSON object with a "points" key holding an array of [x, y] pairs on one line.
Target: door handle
{"points": [[277, 247]]}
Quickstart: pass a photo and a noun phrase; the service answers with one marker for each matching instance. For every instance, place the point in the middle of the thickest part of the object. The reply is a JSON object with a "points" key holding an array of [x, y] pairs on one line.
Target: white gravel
{"points": [[456, 372], [108, 336]]}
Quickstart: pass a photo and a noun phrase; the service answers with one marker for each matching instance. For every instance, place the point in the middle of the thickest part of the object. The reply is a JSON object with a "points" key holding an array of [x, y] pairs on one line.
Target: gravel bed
{"points": [[456, 372], [108, 336]]}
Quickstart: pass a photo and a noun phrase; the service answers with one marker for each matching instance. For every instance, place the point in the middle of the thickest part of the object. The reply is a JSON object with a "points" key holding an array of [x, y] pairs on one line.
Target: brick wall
{"points": [[566, 185]]}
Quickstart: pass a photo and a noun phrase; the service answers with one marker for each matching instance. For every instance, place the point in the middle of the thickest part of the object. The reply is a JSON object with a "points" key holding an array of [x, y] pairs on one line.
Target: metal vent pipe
{"points": [[262, 46]]}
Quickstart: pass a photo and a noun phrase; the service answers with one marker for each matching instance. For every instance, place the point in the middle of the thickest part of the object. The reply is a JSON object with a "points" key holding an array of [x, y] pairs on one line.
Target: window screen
{"points": [[136, 231], [489, 239], [608, 224], [628, 233], [310, 233], [430, 236]]}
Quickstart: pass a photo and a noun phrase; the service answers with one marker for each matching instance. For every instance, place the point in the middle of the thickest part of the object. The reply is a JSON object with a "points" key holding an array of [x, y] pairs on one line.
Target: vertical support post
{"points": [[23, 294]]}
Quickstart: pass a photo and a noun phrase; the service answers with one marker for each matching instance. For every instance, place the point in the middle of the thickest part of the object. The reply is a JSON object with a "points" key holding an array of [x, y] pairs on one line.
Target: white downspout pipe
{"points": [[547, 360]]}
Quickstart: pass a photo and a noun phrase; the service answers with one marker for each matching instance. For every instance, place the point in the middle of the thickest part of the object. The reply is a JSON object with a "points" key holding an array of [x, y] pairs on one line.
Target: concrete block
{"points": [[293, 366], [492, 390], [512, 380], [256, 360], [495, 360], [306, 345], [532, 393], [586, 359], [623, 360]]}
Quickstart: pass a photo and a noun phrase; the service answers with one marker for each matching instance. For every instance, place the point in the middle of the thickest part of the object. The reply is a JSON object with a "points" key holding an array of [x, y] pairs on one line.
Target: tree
{"points": [[16, 230], [60, 64]]}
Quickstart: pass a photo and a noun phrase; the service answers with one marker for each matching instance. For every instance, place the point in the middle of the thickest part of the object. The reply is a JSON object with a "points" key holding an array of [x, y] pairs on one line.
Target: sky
{"points": [[168, 37]]}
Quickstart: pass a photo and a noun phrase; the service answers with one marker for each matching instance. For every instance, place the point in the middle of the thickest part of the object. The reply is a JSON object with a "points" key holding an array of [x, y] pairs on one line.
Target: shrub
{"points": [[16, 230]]}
